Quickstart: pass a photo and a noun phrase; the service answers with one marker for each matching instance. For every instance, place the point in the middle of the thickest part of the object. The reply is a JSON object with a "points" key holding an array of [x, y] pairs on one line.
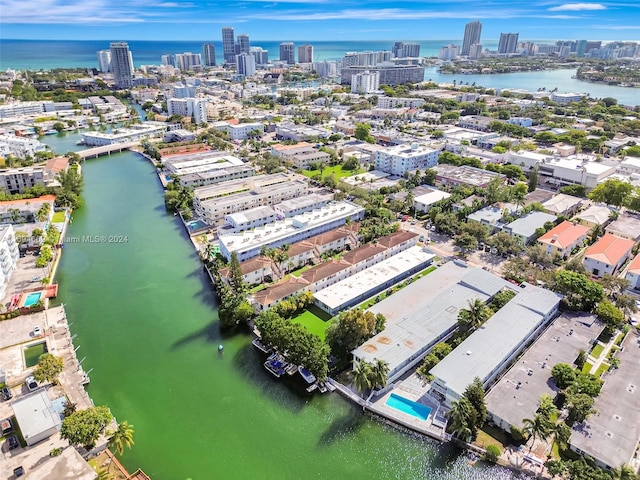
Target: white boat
{"points": [[306, 375]]}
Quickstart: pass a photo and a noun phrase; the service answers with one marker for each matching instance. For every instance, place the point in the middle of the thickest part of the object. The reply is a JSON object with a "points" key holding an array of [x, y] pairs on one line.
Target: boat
{"points": [[322, 388], [306, 375], [260, 346], [51, 132], [312, 387], [291, 369], [276, 365], [330, 387]]}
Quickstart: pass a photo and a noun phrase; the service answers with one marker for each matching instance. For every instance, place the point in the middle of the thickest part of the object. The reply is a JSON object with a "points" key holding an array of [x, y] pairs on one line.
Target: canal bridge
{"points": [[106, 149]]}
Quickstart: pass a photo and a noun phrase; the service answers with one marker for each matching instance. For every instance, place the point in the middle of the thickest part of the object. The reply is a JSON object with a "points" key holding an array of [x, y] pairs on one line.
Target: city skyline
{"points": [[331, 20]]}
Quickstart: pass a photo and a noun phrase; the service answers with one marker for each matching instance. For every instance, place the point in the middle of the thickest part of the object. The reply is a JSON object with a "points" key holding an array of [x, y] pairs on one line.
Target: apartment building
{"points": [[301, 155], [401, 159]]}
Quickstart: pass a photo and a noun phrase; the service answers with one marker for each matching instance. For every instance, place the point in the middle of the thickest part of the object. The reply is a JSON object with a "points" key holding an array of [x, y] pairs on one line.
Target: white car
{"points": [[31, 383], [37, 331]]}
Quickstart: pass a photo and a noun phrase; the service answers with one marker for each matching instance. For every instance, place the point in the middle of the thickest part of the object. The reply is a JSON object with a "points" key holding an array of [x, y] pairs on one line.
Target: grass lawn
{"points": [[597, 351], [602, 368], [58, 217], [300, 271], [335, 170], [314, 320], [619, 338], [492, 436], [586, 368], [382, 295]]}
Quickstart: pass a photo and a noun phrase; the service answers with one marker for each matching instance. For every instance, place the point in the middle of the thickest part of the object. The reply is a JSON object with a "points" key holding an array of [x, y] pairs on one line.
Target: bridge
{"points": [[106, 149]]}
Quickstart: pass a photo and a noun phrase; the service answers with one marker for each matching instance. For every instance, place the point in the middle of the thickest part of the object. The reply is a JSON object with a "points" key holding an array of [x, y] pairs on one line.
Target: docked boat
{"points": [[322, 388], [291, 369], [312, 387], [260, 346], [276, 365], [51, 132], [306, 375]]}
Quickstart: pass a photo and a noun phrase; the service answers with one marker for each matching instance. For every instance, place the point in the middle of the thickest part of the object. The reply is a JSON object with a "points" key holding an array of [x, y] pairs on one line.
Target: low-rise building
{"points": [[300, 133], [254, 271], [286, 288], [594, 216], [633, 273], [36, 416], [488, 351], [423, 203], [452, 175], [8, 255], [301, 155], [476, 122], [239, 131], [562, 204], [401, 159], [26, 211], [563, 238], [607, 255], [248, 219], [296, 206], [524, 228], [133, 133], [20, 147], [627, 225]]}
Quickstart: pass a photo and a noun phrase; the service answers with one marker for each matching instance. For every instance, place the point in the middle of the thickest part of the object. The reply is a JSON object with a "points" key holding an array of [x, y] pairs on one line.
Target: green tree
{"points": [[612, 192], [546, 407], [362, 376], [379, 373], [537, 427], [235, 274], [474, 315], [350, 329], [534, 176], [120, 438], [48, 368], [462, 418], [563, 375], [361, 132], [83, 427], [580, 406], [492, 454], [579, 292], [475, 394], [611, 315]]}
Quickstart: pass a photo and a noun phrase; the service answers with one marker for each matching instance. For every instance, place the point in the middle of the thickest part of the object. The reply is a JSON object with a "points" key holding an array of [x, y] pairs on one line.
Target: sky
{"points": [[330, 20]]}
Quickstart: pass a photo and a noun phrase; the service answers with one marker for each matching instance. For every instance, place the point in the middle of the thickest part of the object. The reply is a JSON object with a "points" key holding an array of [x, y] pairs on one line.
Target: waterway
{"points": [[145, 319]]}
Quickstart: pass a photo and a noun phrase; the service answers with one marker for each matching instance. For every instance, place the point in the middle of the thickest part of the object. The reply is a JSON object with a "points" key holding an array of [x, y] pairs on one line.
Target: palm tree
{"points": [[475, 315], [538, 426], [561, 434], [121, 437], [625, 472], [461, 415], [380, 373], [362, 375]]}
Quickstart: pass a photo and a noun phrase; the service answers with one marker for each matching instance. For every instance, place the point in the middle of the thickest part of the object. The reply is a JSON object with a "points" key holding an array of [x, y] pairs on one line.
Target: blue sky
{"points": [[316, 19]]}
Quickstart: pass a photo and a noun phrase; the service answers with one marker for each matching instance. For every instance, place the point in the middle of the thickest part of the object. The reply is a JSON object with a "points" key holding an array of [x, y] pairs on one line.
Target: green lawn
{"points": [[336, 170], [58, 217], [300, 271], [602, 368], [619, 338], [314, 320], [597, 351], [492, 436], [586, 368]]}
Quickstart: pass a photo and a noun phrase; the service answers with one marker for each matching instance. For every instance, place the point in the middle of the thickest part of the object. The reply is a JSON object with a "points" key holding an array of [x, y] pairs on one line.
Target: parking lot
{"points": [[26, 275]]}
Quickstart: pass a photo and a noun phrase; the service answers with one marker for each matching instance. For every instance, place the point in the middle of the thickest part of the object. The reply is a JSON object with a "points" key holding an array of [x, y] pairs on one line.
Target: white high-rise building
{"points": [[188, 61], [196, 108], [228, 45], [246, 64], [305, 54], [288, 53], [365, 82], [209, 55], [243, 44], [327, 69], [260, 54], [508, 43], [472, 32], [122, 64], [449, 52], [475, 51], [104, 60]]}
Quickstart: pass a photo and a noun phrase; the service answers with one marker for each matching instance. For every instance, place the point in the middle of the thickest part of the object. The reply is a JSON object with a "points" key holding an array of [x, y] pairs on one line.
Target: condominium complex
{"points": [[122, 135], [405, 158], [390, 74], [305, 54], [20, 147], [228, 45], [104, 60], [207, 168], [287, 53], [209, 55], [449, 52], [301, 155], [8, 255], [16, 180], [188, 61], [508, 43], [246, 64], [365, 82], [260, 54], [195, 108], [403, 49], [242, 44], [472, 32], [122, 64]]}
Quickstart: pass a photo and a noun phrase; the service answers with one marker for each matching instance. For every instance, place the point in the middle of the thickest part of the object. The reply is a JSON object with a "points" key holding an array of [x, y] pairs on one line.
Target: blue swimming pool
{"points": [[196, 224], [32, 299], [409, 407]]}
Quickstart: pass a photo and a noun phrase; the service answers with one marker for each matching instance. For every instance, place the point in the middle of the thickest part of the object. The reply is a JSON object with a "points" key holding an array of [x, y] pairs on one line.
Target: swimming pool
{"points": [[409, 407], [196, 224], [32, 299]]}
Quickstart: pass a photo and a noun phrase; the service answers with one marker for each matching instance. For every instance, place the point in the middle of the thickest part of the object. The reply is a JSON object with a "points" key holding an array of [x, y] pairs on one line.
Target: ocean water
{"points": [[45, 54]]}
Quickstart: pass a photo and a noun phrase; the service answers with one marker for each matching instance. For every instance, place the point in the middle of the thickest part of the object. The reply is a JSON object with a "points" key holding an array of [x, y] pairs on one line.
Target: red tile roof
{"points": [[634, 266], [567, 234], [610, 249]]}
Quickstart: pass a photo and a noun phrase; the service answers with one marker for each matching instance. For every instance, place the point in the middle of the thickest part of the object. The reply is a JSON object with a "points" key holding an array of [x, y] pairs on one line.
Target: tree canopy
{"points": [[83, 427], [48, 368]]}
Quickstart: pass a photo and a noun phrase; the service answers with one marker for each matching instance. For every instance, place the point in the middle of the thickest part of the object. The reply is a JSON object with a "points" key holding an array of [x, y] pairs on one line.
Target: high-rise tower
{"points": [[228, 45], [104, 60], [122, 64], [243, 44], [508, 43], [288, 53], [305, 54], [472, 31], [209, 55]]}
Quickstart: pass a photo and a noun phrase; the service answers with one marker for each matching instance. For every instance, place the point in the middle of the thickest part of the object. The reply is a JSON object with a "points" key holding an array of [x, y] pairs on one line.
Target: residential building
{"points": [[400, 102], [18, 109], [287, 53], [423, 203], [524, 228], [633, 273], [228, 45], [104, 60], [36, 416], [306, 203], [239, 131], [301, 155], [243, 45], [630, 166], [405, 49], [565, 98], [17, 180], [405, 158], [627, 225], [563, 238], [254, 271], [425, 313], [607, 255], [472, 32], [188, 61], [488, 351], [562, 204], [390, 74], [260, 54], [516, 395], [464, 175], [248, 219], [183, 91], [132, 133], [449, 52], [300, 133], [305, 54], [246, 64], [122, 64], [594, 216], [209, 55], [194, 108], [265, 299], [365, 82], [611, 436], [476, 122], [25, 211], [491, 217], [288, 231], [475, 51], [8, 255], [508, 43], [20, 147]]}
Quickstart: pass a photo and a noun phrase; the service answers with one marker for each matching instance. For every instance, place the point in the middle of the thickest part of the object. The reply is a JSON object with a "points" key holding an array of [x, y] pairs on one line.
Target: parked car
{"points": [[6, 393], [13, 443], [6, 427], [37, 331], [31, 383], [18, 472]]}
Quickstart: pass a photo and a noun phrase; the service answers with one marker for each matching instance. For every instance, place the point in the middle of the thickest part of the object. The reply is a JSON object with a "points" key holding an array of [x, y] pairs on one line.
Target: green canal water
{"points": [[146, 321]]}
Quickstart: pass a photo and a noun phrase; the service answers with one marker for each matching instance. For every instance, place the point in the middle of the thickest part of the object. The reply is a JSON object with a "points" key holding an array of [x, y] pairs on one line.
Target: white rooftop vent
{"points": [[468, 352]]}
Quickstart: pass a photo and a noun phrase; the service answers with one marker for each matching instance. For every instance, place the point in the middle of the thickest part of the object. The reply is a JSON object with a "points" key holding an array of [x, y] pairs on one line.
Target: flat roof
{"points": [[516, 395], [352, 287], [489, 347], [302, 202], [242, 185], [422, 312], [250, 215], [432, 197], [35, 414], [528, 224], [626, 225], [612, 434], [466, 174]]}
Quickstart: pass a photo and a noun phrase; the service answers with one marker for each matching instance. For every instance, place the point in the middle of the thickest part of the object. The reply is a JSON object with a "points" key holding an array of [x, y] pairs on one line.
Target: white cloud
{"points": [[577, 7]]}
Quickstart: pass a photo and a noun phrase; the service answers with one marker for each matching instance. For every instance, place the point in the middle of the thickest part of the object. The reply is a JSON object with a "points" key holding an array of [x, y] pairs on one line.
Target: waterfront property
{"points": [[134, 133], [607, 255], [563, 238], [36, 416], [373, 280], [254, 271], [425, 313], [491, 349], [8, 255], [611, 436], [516, 395], [409, 407], [290, 230]]}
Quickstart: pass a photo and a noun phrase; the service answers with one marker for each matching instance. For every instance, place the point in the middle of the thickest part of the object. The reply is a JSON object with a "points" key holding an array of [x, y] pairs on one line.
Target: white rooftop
{"points": [[35, 414], [250, 215], [352, 287], [432, 197]]}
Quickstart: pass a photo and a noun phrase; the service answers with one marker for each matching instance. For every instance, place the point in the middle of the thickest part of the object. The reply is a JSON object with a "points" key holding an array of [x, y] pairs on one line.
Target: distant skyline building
{"points": [[104, 60], [508, 43], [122, 64], [228, 45], [327, 68], [305, 54], [475, 51], [188, 61], [260, 55], [472, 33], [288, 53], [209, 55], [242, 45], [168, 59], [449, 52], [403, 50], [366, 59], [246, 64]]}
